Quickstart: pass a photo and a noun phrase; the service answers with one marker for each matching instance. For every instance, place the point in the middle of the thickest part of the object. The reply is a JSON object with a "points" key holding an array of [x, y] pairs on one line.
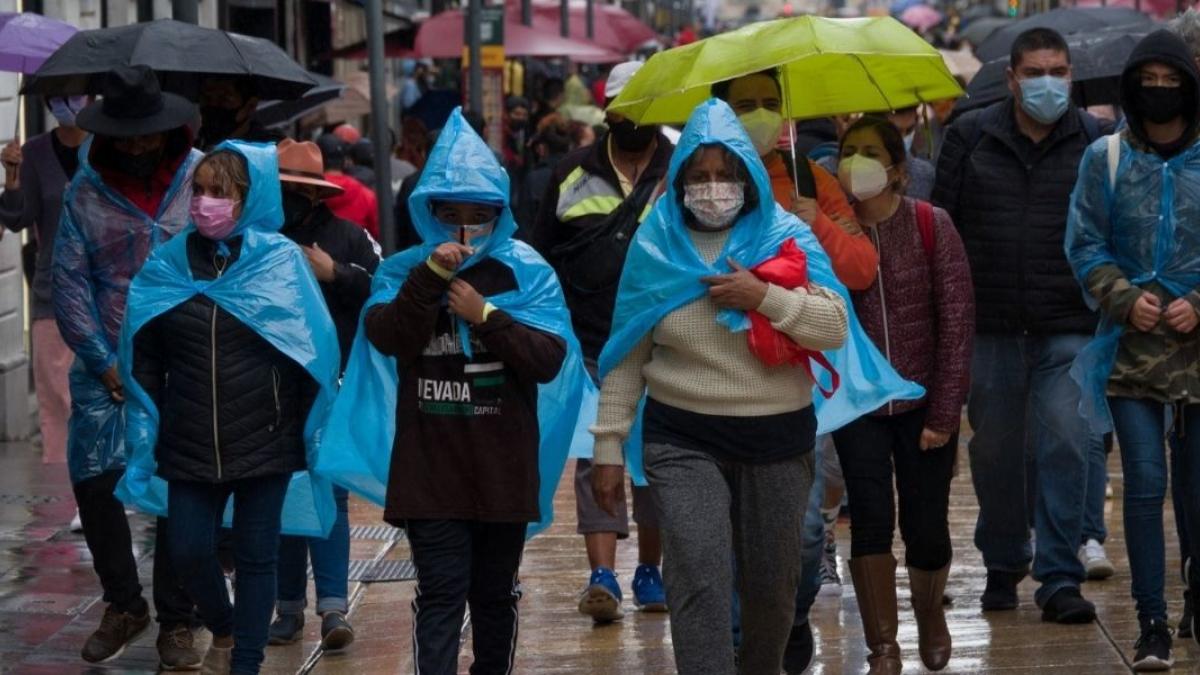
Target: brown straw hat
{"points": [[302, 163]]}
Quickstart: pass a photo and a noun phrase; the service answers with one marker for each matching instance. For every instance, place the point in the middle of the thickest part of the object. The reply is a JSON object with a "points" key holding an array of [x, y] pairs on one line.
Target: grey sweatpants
{"points": [[711, 513]]}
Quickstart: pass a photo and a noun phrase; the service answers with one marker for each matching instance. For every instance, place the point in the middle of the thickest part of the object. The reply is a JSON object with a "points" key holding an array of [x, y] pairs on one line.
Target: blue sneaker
{"points": [[602, 598], [648, 591]]}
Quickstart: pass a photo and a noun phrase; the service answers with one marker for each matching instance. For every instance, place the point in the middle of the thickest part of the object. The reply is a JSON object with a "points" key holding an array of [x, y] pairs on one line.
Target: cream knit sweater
{"points": [[689, 361]]}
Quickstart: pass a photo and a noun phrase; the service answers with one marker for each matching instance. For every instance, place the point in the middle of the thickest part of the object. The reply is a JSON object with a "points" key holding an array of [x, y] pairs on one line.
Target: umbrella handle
{"points": [[787, 109]]}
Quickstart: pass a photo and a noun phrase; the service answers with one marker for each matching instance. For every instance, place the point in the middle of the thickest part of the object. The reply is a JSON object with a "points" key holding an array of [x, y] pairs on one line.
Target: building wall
{"points": [[15, 414]]}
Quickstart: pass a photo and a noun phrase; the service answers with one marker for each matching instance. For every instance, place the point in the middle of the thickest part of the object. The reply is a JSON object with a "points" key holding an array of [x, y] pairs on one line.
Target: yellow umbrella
{"points": [[827, 67]]}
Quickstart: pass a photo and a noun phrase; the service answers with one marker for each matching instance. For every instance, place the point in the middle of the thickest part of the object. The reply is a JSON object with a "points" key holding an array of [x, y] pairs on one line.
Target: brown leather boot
{"points": [[875, 586], [934, 636]]}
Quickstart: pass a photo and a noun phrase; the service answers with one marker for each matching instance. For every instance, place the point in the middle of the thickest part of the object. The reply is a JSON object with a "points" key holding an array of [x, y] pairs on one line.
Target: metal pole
{"points": [[379, 124], [187, 11], [564, 18], [526, 13], [591, 20], [475, 55]]}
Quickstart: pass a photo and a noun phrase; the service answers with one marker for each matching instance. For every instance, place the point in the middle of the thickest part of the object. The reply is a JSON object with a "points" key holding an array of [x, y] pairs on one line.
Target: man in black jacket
{"points": [[594, 201], [343, 258], [1005, 175]]}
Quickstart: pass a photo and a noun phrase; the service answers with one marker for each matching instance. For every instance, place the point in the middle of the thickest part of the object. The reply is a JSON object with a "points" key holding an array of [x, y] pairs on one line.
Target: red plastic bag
{"points": [[788, 269]]}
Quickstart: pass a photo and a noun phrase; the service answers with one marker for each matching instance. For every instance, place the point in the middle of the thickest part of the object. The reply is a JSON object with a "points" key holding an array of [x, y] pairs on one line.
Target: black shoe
{"points": [[336, 632], [117, 629], [799, 653], [286, 629], [1153, 648], [1001, 591], [177, 649], [1068, 606]]}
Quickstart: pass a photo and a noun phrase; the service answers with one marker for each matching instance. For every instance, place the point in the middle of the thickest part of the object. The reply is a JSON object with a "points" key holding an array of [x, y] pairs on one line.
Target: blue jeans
{"points": [[330, 565], [1141, 432], [1097, 481], [812, 540], [1023, 401], [196, 510]]}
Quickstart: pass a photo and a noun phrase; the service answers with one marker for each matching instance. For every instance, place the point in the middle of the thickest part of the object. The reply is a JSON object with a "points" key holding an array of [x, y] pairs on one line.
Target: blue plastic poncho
{"points": [[102, 242], [271, 289], [1114, 223], [357, 448], [663, 271]]}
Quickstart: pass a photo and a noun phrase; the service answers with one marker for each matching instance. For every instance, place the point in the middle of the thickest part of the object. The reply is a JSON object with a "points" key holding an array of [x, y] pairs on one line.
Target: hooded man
{"points": [[595, 200], [460, 401], [1133, 245], [130, 194]]}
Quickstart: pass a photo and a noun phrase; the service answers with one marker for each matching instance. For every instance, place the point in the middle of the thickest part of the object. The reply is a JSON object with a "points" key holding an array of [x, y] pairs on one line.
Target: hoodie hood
{"points": [[1164, 47], [715, 123], [461, 167], [262, 209]]}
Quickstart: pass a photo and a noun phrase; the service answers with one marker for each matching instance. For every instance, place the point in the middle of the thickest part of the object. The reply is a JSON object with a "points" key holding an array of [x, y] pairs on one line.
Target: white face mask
{"points": [[763, 127], [714, 204], [862, 177]]}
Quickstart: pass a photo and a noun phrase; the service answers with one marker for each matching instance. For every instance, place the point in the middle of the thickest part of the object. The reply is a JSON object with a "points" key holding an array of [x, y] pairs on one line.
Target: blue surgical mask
{"points": [[1045, 98], [65, 109]]}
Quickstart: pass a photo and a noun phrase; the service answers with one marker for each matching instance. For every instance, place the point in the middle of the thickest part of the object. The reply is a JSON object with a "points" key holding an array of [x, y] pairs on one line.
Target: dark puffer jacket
{"points": [[355, 257], [1009, 199], [920, 313], [261, 397]]}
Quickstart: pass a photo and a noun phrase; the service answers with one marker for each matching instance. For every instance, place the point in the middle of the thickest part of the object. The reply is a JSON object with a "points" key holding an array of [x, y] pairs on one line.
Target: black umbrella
{"points": [[979, 30], [181, 53], [1097, 62], [278, 113], [1067, 21]]}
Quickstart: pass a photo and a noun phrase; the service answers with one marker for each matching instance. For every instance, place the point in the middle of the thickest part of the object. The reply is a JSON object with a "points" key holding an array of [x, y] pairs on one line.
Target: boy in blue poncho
{"points": [[230, 359], [477, 328]]}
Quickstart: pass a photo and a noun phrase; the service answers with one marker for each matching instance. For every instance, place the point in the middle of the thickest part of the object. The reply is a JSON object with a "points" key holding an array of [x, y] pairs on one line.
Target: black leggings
{"points": [[868, 448]]}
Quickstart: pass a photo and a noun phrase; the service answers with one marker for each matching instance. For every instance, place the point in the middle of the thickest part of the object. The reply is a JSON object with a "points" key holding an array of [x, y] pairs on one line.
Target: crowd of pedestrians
{"points": [[217, 340]]}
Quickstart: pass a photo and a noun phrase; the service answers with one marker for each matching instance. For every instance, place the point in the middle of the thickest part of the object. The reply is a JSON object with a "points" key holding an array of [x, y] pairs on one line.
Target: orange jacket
{"points": [[855, 260]]}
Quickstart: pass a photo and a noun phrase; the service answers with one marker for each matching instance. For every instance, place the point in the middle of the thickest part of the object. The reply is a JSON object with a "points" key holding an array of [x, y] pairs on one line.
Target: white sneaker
{"points": [[76, 524], [1095, 561]]}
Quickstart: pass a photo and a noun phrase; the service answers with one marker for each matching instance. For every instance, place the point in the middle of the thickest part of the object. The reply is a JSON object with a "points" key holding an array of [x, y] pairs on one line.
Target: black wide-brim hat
{"points": [[133, 104]]}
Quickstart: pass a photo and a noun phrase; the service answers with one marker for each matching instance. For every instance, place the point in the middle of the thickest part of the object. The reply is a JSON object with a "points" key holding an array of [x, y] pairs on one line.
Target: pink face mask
{"points": [[214, 216]]}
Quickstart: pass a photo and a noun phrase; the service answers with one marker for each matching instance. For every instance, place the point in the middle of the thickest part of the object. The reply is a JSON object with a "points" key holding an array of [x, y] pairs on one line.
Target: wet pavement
{"points": [[50, 602]]}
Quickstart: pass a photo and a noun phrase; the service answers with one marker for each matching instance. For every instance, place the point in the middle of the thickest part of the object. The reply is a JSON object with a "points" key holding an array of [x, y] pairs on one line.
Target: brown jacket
{"points": [[467, 435]]}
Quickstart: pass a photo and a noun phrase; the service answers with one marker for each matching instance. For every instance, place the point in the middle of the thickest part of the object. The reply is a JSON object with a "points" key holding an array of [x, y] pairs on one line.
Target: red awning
{"points": [[613, 27], [441, 37]]}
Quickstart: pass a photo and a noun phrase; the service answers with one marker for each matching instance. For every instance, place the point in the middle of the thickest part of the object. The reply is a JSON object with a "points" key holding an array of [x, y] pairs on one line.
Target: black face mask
{"points": [[218, 124], [296, 208], [1160, 105], [138, 166], [630, 137]]}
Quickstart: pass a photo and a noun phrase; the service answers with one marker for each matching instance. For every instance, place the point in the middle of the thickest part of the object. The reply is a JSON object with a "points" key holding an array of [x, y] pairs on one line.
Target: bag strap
{"points": [[925, 227], [1114, 159], [619, 224], [819, 358]]}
